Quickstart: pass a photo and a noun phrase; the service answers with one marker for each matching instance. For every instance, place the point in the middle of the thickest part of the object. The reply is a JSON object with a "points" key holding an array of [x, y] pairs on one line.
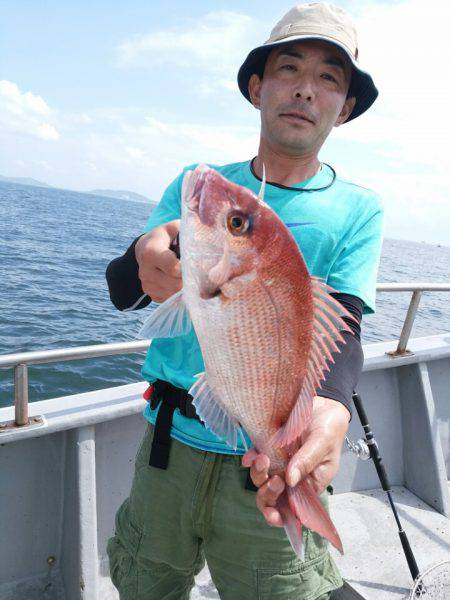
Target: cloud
{"points": [[25, 113], [210, 48], [408, 121], [212, 44], [398, 148], [404, 136], [217, 86], [131, 149], [146, 154]]}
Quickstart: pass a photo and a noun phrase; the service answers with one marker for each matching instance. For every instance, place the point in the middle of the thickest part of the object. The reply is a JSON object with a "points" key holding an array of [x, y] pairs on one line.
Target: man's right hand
{"points": [[159, 267]]}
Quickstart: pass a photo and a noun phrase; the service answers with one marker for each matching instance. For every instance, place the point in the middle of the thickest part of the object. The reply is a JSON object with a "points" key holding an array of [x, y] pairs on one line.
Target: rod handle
{"points": [[379, 466], [360, 410], [413, 568]]}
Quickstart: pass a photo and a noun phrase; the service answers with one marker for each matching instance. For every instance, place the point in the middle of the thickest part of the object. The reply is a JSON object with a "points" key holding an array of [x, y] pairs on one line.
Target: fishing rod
{"points": [[434, 583], [374, 454]]}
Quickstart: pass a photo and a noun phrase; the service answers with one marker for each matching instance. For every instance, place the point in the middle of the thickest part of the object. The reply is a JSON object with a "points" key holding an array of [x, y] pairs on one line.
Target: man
{"points": [[189, 499]]}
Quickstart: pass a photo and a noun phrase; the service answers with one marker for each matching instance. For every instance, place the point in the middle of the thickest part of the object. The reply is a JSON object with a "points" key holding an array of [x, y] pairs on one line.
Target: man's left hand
{"points": [[318, 458]]}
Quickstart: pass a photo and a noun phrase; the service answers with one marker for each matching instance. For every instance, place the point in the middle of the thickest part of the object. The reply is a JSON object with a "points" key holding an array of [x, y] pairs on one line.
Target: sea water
{"points": [[54, 248]]}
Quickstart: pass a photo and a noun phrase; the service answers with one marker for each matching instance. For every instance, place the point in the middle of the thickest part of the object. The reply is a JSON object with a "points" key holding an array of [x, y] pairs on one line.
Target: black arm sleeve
{"points": [[122, 275], [125, 289], [344, 373]]}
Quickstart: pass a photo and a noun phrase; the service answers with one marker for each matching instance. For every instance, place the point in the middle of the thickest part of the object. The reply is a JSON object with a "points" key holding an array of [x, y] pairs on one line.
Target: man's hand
{"points": [[159, 267], [318, 458]]}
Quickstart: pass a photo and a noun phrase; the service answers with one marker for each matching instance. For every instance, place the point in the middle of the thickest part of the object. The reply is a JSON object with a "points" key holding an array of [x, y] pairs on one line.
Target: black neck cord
{"points": [[296, 189]]}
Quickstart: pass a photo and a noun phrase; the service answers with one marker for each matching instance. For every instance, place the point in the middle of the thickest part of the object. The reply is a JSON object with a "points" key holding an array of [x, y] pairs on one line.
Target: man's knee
{"points": [[144, 568]]}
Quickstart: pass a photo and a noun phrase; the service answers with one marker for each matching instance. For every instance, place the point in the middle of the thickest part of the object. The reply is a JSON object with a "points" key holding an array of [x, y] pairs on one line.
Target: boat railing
{"points": [[20, 361]]}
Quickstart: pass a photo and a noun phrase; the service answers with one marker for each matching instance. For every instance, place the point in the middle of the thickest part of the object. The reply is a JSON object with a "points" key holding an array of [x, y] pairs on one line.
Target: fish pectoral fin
{"points": [[220, 273], [236, 285], [327, 327], [212, 412], [169, 319]]}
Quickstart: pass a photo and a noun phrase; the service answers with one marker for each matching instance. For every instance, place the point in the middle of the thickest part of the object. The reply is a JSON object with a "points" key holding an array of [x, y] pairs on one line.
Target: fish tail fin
{"points": [[301, 505], [292, 525]]}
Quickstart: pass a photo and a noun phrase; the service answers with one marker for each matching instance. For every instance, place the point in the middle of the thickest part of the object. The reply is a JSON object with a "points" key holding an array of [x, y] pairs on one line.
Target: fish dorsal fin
{"points": [[327, 327], [211, 411], [169, 319]]}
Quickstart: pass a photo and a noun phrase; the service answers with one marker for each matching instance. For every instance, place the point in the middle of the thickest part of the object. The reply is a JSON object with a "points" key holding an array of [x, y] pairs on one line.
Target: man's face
{"points": [[302, 95]]}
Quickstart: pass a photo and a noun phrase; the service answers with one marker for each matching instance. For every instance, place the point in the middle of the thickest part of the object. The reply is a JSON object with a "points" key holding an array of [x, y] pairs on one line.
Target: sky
{"points": [[97, 94]]}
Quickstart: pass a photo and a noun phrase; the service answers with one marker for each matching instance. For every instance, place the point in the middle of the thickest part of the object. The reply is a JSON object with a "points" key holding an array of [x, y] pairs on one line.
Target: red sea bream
{"points": [[265, 326]]}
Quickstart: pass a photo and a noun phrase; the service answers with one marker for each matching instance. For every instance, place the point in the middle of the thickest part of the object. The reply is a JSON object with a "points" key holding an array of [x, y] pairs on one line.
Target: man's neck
{"points": [[284, 169]]}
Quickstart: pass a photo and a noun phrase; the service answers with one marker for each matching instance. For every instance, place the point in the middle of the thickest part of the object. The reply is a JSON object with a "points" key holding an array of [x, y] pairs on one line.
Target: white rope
{"points": [[138, 301]]}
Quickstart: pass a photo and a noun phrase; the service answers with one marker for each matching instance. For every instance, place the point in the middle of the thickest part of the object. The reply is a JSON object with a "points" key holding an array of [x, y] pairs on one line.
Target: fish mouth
{"points": [[195, 193], [204, 195]]}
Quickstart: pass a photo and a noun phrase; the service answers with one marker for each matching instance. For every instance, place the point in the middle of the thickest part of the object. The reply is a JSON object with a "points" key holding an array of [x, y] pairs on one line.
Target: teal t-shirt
{"points": [[341, 243]]}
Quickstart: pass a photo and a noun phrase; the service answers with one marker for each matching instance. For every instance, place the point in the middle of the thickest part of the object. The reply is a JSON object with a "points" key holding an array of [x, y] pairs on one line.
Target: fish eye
{"points": [[237, 223]]}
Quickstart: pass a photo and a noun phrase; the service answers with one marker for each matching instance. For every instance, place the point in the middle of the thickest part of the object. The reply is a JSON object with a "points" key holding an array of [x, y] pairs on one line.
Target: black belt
{"points": [[171, 397]]}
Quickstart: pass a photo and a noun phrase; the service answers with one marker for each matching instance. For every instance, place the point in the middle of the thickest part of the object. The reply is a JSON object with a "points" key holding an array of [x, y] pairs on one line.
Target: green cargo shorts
{"points": [[199, 509]]}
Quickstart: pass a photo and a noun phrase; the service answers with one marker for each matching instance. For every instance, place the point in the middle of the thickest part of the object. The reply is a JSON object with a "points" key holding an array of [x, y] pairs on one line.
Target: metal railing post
{"points": [[21, 394], [408, 323]]}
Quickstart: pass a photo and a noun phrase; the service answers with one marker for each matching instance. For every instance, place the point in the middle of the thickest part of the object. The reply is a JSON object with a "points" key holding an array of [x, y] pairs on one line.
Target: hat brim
{"points": [[362, 86]]}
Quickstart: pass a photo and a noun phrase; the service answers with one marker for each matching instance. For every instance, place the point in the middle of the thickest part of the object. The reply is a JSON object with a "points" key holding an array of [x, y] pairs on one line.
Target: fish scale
{"points": [[247, 337]]}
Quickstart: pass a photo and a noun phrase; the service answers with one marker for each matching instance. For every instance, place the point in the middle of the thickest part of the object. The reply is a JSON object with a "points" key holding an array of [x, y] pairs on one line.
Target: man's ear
{"points": [[346, 111], [254, 90]]}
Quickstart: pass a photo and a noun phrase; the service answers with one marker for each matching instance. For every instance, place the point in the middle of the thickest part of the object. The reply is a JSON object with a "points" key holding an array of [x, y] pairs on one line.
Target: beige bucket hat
{"points": [[318, 21]]}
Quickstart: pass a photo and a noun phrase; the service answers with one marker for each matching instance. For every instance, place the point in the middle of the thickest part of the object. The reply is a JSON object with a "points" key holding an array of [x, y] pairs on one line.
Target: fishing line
{"points": [[297, 189]]}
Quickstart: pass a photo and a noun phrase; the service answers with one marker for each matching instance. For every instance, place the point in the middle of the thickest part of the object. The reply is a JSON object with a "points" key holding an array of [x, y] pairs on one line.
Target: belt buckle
{"points": [[151, 396], [154, 400]]}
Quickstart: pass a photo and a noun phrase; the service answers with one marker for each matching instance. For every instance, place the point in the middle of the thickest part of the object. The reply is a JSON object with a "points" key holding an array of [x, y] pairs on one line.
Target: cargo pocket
{"points": [[122, 549], [120, 568], [311, 580]]}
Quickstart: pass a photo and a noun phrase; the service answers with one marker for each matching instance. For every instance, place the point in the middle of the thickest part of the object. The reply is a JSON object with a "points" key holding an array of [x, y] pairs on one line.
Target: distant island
{"points": [[121, 195], [25, 181], [118, 194]]}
